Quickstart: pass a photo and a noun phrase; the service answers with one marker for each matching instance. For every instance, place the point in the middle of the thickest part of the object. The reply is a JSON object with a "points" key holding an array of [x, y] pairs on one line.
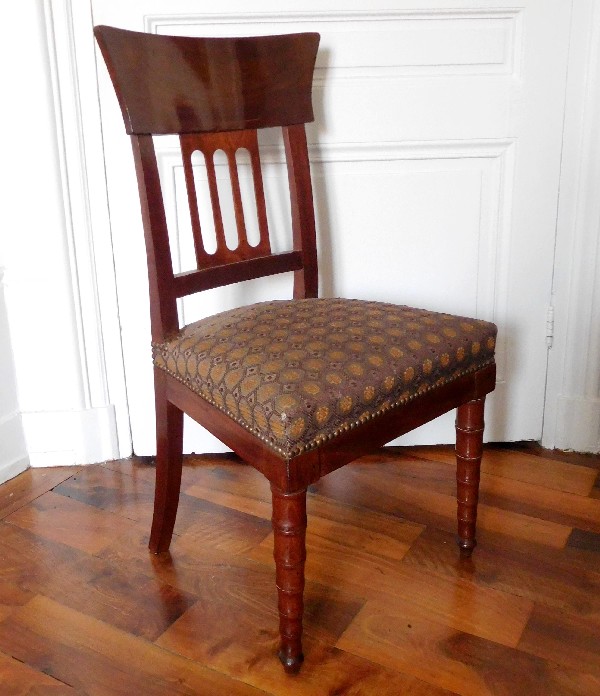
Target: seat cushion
{"points": [[296, 373]]}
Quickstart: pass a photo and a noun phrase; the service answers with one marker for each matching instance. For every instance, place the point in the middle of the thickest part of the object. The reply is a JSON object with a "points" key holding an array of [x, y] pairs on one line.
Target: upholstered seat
{"points": [[297, 373]]}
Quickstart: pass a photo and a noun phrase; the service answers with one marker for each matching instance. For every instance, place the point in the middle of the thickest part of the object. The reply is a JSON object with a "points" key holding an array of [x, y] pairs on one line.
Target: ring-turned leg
{"points": [[469, 448], [169, 459], [289, 530]]}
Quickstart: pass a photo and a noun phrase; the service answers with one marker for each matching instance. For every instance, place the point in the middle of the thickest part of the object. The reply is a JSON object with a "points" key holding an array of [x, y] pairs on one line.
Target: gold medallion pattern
{"points": [[299, 372]]}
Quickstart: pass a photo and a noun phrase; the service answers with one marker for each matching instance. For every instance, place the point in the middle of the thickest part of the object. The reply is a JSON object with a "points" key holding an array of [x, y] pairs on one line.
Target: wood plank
{"points": [[403, 640], [353, 527], [128, 492], [18, 679], [111, 490], [521, 466], [581, 539], [563, 638], [134, 466], [61, 519], [244, 641], [29, 485], [144, 467], [225, 529], [537, 501], [247, 503], [457, 603], [140, 603], [524, 527], [237, 612], [234, 485], [27, 561], [360, 531], [105, 494], [532, 500], [98, 659], [382, 487], [546, 576], [135, 603], [195, 567], [188, 565], [233, 628], [580, 458], [228, 585], [209, 523], [325, 670]]}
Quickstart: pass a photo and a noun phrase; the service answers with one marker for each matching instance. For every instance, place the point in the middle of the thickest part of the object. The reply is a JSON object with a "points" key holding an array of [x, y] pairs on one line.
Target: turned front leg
{"points": [[289, 529], [469, 448]]}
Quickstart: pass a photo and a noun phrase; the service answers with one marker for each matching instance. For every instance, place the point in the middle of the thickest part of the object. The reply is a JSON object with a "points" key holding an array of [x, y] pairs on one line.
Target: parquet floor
{"points": [[390, 608]]}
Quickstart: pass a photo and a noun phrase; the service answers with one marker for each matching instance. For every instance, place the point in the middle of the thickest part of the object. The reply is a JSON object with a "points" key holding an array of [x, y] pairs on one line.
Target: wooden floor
{"points": [[390, 608]]}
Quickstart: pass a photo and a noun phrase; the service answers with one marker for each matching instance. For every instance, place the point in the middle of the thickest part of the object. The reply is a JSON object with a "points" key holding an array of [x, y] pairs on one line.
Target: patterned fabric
{"points": [[299, 372]]}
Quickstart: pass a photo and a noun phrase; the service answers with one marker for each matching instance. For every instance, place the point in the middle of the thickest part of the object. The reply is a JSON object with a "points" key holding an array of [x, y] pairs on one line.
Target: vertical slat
{"points": [[237, 198], [259, 196], [214, 199], [163, 306], [303, 216], [187, 150]]}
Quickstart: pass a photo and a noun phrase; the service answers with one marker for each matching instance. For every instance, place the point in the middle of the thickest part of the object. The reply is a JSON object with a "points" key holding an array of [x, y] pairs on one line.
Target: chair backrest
{"points": [[215, 93]]}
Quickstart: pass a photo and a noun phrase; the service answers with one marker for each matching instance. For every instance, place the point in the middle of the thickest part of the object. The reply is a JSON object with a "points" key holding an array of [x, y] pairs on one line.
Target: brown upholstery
{"points": [[297, 373]]}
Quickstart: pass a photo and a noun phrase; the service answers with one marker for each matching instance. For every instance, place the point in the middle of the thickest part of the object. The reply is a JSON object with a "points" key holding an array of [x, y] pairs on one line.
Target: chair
{"points": [[297, 388]]}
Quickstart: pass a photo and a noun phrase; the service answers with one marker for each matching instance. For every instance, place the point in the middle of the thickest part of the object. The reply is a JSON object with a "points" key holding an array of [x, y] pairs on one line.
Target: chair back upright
{"points": [[215, 93]]}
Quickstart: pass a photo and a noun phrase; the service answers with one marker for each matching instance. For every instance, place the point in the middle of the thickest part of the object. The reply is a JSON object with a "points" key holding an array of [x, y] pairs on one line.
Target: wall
{"points": [[572, 417], [63, 423], [13, 452]]}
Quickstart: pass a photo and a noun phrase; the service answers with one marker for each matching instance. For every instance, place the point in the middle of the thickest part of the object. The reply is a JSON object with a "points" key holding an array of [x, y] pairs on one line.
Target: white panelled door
{"points": [[435, 157]]}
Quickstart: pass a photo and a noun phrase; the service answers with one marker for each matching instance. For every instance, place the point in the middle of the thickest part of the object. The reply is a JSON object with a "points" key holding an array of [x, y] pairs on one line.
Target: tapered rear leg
{"points": [[169, 459], [469, 448], [289, 531]]}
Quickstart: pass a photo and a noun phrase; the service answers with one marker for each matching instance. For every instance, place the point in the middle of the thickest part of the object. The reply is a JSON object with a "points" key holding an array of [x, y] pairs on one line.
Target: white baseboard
{"points": [[9, 470], [13, 452], [63, 438], [578, 424]]}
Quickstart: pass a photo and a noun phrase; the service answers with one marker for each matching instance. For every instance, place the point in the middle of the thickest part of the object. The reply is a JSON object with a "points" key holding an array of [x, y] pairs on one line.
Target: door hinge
{"points": [[550, 326]]}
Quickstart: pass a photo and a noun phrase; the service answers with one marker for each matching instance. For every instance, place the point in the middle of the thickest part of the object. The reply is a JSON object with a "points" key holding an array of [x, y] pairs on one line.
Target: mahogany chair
{"points": [[297, 388]]}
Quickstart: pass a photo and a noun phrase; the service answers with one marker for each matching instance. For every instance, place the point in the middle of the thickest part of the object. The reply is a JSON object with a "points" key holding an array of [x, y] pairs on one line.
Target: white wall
{"points": [[61, 422], [13, 452], [572, 418]]}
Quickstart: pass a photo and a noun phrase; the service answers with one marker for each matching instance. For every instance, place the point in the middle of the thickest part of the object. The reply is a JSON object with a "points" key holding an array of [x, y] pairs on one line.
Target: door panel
{"points": [[436, 147]]}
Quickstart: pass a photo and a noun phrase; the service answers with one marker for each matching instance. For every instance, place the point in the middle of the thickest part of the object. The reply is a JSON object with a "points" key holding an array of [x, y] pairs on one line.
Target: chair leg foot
{"points": [[469, 448], [291, 664], [289, 531], [466, 548], [169, 459]]}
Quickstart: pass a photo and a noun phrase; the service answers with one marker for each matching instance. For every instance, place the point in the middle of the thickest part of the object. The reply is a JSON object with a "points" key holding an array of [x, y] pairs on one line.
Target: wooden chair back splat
{"points": [[229, 143], [297, 388]]}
